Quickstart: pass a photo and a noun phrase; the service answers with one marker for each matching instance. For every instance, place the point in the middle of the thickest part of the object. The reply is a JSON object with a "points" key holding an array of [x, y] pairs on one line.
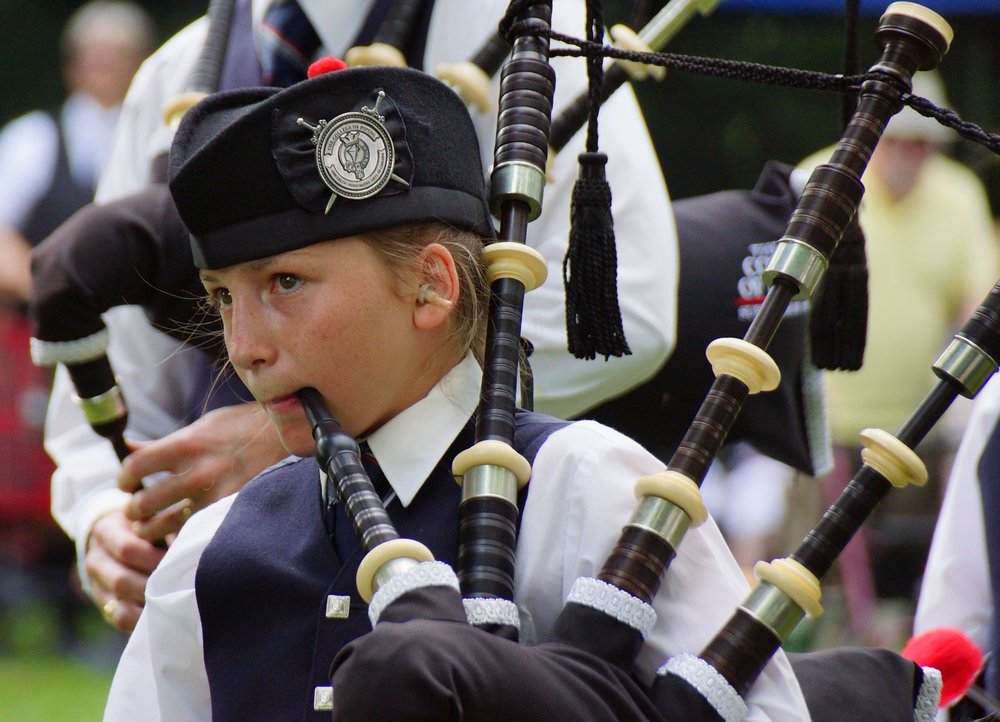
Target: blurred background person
{"points": [[49, 166], [932, 256], [50, 161]]}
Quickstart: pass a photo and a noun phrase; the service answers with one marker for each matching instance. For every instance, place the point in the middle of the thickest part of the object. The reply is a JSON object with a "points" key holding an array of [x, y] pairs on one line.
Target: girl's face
{"points": [[329, 316]]}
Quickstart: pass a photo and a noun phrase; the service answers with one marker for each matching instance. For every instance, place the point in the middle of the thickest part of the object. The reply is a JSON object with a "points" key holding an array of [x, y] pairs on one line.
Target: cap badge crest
{"points": [[354, 153]]}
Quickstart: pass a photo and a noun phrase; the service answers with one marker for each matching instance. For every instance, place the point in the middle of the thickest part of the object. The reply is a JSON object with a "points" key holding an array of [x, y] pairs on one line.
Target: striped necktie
{"points": [[288, 44]]}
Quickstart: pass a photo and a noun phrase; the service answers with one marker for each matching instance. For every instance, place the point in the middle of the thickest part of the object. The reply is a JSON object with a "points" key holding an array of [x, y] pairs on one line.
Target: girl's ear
{"points": [[438, 287]]}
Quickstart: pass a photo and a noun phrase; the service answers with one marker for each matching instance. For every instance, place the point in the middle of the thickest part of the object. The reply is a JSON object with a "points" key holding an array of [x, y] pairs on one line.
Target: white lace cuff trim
{"points": [[613, 602], [926, 707], [709, 683], [50, 353], [425, 574], [492, 611]]}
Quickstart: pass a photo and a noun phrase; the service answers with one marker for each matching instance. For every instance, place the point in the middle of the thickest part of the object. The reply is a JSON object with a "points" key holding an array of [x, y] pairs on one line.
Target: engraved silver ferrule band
{"points": [[662, 518], [407, 578], [392, 568], [489, 480], [799, 262], [966, 363], [100, 409], [774, 609], [517, 181]]}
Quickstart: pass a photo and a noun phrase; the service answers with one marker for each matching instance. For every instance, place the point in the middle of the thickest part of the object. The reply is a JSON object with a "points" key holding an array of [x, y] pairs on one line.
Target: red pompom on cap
{"points": [[952, 653], [328, 64]]}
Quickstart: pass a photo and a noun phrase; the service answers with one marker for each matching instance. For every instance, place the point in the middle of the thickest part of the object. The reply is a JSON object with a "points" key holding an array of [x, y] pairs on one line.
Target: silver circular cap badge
{"points": [[354, 153]]}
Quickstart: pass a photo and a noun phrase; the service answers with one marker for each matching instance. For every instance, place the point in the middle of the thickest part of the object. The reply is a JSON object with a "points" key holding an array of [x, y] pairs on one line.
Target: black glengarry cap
{"points": [[262, 171]]}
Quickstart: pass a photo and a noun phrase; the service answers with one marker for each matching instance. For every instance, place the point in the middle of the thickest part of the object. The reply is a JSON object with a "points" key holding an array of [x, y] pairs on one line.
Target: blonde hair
{"points": [[399, 248]]}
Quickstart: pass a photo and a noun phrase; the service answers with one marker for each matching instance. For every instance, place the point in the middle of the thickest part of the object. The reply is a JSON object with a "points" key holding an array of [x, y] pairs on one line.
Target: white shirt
{"points": [[580, 497], [955, 591], [29, 147], [84, 486]]}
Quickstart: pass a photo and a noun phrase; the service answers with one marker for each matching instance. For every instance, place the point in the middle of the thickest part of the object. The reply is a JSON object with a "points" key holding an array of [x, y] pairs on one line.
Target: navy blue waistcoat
{"points": [[263, 582]]}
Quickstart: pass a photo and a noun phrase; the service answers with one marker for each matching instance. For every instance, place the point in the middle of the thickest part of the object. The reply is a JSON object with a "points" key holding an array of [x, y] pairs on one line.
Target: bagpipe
{"points": [[441, 667]]}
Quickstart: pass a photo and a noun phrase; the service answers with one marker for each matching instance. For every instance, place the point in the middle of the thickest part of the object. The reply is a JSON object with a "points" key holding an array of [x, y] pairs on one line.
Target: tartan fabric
{"points": [[25, 469]]}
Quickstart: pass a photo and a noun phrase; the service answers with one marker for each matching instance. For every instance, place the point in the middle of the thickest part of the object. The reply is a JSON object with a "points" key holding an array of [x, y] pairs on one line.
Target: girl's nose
{"points": [[246, 335]]}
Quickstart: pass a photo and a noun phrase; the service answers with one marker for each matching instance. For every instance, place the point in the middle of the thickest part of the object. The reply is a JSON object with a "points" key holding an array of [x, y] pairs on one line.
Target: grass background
{"points": [[45, 680], [50, 688]]}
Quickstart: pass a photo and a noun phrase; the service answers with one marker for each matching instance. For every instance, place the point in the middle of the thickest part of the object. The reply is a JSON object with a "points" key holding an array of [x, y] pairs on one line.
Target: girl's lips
{"points": [[284, 404]]}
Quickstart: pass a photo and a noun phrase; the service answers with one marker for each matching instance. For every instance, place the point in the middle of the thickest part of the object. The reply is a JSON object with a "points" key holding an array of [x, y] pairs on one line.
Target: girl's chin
{"points": [[297, 441]]}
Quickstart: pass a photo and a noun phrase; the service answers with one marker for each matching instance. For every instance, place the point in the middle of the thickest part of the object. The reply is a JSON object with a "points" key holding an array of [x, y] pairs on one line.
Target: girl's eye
{"points": [[287, 281], [220, 297]]}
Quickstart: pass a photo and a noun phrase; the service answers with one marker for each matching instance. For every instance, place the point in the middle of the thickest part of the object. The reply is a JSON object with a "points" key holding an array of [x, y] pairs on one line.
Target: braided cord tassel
{"points": [[590, 268]]}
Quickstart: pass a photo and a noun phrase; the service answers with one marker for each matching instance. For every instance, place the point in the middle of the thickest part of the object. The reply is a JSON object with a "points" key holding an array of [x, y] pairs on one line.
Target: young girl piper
{"points": [[338, 227]]}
